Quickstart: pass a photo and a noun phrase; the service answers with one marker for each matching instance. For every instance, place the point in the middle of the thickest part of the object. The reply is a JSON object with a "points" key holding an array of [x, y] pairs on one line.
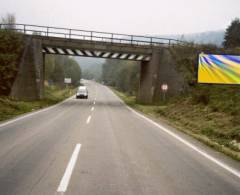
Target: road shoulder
{"points": [[198, 138]]}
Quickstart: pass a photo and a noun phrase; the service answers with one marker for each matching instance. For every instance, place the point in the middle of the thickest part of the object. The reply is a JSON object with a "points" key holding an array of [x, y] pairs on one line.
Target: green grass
{"points": [[215, 123], [11, 108]]}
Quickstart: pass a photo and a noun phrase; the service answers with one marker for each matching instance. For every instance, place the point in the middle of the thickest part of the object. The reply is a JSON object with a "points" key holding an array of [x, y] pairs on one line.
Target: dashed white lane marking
{"points": [[92, 109], [193, 147], [68, 172], [88, 119], [94, 102]]}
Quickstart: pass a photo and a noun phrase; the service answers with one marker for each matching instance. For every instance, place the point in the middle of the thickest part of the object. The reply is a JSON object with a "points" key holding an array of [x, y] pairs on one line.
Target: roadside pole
{"points": [[68, 81], [164, 88]]}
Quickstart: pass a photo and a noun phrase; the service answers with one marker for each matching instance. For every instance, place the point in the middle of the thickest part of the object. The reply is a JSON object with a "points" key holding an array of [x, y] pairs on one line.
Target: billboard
{"points": [[218, 69]]}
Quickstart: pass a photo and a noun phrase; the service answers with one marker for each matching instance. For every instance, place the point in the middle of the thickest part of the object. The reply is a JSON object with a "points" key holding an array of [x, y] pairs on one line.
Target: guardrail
{"points": [[67, 33]]}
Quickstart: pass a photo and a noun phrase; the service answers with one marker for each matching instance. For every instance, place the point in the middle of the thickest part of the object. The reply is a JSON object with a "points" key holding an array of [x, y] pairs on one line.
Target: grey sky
{"points": [[127, 16]]}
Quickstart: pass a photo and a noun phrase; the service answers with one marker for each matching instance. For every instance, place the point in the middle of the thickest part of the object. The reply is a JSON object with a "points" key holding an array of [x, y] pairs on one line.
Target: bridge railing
{"points": [[67, 33]]}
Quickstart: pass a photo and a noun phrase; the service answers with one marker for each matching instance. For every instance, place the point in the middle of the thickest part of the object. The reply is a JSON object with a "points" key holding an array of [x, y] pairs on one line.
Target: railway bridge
{"points": [[157, 64]]}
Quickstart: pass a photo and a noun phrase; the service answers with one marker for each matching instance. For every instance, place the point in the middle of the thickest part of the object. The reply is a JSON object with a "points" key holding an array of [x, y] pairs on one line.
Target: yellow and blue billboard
{"points": [[218, 69]]}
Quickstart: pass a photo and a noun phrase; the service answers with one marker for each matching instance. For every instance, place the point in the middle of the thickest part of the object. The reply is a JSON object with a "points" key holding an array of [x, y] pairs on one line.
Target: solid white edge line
{"points": [[221, 164], [26, 115], [68, 172], [88, 119], [193, 147]]}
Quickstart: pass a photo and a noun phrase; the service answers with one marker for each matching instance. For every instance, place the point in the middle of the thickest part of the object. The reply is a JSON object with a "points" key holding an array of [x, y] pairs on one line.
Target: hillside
{"points": [[208, 37]]}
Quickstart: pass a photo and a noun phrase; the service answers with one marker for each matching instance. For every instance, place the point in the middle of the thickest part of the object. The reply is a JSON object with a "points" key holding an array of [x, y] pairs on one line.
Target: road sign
{"points": [[67, 80], [164, 87]]}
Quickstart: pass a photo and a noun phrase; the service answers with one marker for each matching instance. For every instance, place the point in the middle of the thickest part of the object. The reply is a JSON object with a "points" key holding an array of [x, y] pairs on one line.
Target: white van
{"points": [[82, 92]]}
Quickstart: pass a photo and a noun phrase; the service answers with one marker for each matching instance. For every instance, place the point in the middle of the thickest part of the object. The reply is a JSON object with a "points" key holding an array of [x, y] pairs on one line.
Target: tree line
{"points": [[122, 74], [58, 67]]}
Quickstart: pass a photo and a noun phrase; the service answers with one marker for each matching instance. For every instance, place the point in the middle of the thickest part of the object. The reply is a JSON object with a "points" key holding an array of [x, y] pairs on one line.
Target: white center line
{"points": [[68, 172], [88, 119], [92, 109]]}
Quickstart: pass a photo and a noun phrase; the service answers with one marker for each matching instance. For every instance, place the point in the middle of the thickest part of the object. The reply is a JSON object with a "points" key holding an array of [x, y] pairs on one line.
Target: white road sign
{"points": [[67, 80], [164, 87]]}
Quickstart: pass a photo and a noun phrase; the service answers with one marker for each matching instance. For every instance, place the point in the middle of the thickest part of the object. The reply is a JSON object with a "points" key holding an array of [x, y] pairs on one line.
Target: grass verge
{"points": [[11, 108], [209, 126]]}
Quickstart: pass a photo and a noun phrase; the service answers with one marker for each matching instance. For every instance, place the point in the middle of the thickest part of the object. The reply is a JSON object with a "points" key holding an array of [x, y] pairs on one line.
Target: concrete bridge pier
{"points": [[28, 84], [162, 69], [168, 73], [148, 78]]}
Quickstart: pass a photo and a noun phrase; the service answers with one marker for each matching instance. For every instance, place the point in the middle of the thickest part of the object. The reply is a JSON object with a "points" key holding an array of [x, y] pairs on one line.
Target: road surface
{"points": [[100, 147]]}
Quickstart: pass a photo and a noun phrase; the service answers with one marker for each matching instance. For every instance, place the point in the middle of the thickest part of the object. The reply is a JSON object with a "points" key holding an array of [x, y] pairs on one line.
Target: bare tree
{"points": [[9, 21]]}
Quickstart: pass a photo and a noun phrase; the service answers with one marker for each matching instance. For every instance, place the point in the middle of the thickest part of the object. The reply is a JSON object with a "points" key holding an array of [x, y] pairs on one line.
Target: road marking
{"points": [[68, 172], [92, 109], [94, 102], [95, 99], [88, 119], [193, 147], [32, 113], [216, 161]]}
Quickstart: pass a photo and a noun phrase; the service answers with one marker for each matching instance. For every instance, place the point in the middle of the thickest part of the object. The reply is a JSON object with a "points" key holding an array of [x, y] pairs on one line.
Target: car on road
{"points": [[82, 92]]}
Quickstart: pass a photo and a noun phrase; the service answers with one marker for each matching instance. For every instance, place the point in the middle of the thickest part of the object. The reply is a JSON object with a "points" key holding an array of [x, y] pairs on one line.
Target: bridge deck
{"points": [[66, 41]]}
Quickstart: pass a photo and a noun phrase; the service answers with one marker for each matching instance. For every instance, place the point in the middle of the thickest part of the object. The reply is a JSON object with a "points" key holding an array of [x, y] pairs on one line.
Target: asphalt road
{"points": [[100, 147]]}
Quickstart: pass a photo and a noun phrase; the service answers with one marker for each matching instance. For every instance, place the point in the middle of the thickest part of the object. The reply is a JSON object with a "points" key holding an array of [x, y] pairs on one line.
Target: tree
{"points": [[122, 74], [57, 75], [232, 34], [49, 66], [11, 48], [9, 20]]}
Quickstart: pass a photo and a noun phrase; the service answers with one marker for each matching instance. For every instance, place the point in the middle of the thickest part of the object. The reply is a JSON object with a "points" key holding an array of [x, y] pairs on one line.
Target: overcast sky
{"points": [[141, 17]]}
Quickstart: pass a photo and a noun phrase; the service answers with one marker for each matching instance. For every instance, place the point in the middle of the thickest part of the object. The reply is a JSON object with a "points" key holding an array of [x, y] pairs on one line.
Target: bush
{"points": [[201, 96]]}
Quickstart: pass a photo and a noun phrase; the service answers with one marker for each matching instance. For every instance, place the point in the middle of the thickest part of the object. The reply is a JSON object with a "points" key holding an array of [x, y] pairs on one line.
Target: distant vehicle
{"points": [[82, 92]]}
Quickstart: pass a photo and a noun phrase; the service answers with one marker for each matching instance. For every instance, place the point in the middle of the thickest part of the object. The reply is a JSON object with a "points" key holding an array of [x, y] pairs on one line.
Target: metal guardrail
{"points": [[67, 33]]}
